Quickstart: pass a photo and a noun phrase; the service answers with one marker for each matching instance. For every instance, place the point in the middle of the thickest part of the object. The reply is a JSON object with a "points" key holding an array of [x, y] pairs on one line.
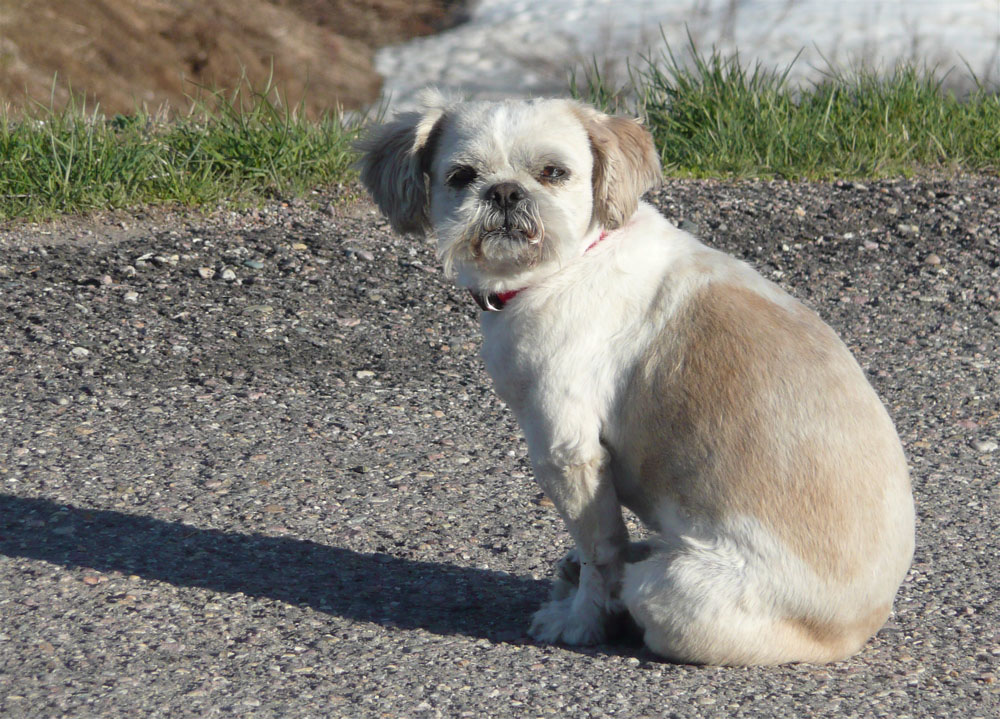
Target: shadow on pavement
{"points": [[380, 588]]}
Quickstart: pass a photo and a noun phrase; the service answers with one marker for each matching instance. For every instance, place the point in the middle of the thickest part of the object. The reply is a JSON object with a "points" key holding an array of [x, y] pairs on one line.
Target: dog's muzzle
{"points": [[509, 224]]}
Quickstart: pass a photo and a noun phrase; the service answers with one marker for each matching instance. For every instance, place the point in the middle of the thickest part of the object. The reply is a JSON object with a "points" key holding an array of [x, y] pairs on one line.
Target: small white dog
{"points": [[650, 371]]}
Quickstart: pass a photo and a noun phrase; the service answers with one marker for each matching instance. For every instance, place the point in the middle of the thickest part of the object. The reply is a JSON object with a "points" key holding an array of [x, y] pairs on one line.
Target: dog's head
{"points": [[511, 188]]}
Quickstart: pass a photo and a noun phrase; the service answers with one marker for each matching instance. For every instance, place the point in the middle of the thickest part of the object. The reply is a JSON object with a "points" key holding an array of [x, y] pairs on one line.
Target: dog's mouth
{"points": [[509, 244], [513, 236]]}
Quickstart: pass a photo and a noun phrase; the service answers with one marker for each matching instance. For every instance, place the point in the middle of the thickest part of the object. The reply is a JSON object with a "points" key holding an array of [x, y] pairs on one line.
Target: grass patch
{"points": [[713, 117], [238, 148], [710, 117]]}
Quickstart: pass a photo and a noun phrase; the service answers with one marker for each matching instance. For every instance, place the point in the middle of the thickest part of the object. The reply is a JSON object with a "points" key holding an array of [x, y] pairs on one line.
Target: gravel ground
{"points": [[252, 465]]}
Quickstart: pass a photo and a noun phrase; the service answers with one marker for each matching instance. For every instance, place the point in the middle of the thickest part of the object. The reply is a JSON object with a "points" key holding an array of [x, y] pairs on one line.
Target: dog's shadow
{"points": [[380, 588]]}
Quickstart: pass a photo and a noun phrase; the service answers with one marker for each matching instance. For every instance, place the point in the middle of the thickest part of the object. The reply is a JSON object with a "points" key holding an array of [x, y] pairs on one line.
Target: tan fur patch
{"points": [[626, 164], [748, 408]]}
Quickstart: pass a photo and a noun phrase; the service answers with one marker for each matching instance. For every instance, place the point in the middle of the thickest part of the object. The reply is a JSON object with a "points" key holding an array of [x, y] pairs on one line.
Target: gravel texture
{"points": [[252, 465]]}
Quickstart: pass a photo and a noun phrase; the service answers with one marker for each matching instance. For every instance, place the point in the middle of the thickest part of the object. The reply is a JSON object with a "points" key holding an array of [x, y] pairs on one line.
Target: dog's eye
{"points": [[460, 177], [551, 172]]}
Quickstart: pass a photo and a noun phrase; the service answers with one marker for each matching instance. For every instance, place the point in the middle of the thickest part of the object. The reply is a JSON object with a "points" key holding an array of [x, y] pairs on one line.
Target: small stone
{"points": [[80, 352], [131, 296], [932, 259], [907, 229], [206, 273], [544, 501], [228, 275], [800, 211], [353, 252], [869, 245], [106, 280], [364, 374], [259, 309], [984, 445], [253, 264], [299, 246]]}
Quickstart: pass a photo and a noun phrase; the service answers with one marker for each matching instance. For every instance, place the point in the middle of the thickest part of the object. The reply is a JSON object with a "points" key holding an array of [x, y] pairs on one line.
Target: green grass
{"points": [[713, 117], [223, 150], [710, 118]]}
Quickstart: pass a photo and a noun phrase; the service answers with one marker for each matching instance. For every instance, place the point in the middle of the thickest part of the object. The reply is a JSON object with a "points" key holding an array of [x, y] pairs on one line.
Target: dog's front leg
{"points": [[584, 494]]}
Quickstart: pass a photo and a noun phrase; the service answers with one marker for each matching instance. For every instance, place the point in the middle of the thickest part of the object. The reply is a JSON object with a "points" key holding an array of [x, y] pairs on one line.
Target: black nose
{"points": [[505, 195]]}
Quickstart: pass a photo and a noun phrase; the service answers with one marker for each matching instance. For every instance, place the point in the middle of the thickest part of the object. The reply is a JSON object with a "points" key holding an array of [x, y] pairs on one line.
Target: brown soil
{"points": [[125, 54]]}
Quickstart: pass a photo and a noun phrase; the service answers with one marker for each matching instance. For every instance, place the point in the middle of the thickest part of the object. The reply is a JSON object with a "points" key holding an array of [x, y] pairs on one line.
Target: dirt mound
{"points": [[128, 53]]}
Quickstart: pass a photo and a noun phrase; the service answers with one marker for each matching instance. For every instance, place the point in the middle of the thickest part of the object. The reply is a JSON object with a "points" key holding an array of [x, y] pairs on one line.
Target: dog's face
{"points": [[509, 189]]}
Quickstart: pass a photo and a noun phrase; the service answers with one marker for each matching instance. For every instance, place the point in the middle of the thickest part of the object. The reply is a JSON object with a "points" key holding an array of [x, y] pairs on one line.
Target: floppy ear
{"points": [[395, 156], [626, 164]]}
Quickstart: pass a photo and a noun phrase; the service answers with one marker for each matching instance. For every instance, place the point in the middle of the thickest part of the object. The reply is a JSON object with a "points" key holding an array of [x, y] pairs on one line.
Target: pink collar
{"points": [[495, 301]]}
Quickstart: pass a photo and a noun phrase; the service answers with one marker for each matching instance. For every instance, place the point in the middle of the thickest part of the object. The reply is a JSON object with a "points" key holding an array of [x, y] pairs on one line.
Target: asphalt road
{"points": [[251, 465]]}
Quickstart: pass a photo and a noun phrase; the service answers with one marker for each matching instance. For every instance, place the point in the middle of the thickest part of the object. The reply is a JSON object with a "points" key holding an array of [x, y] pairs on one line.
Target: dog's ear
{"points": [[394, 160], [626, 164]]}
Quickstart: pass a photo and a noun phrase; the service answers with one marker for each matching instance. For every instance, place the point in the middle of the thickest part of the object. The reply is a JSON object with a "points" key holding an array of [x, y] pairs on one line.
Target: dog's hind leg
{"points": [[708, 604]]}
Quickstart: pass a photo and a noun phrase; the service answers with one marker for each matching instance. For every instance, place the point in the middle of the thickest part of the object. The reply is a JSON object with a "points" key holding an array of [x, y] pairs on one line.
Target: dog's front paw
{"points": [[560, 621]]}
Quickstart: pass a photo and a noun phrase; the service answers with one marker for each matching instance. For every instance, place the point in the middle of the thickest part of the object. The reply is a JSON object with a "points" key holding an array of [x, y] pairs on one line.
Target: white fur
{"points": [[719, 585]]}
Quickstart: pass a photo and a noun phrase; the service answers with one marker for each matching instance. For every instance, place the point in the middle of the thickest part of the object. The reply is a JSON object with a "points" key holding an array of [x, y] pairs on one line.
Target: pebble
{"points": [[908, 229], [228, 275], [131, 296], [206, 273], [984, 445], [259, 309], [364, 374], [359, 253], [253, 264], [932, 259], [80, 352]]}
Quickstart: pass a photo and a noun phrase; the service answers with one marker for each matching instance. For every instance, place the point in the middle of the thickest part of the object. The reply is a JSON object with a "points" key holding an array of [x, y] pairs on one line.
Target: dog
{"points": [[650, 371]]}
